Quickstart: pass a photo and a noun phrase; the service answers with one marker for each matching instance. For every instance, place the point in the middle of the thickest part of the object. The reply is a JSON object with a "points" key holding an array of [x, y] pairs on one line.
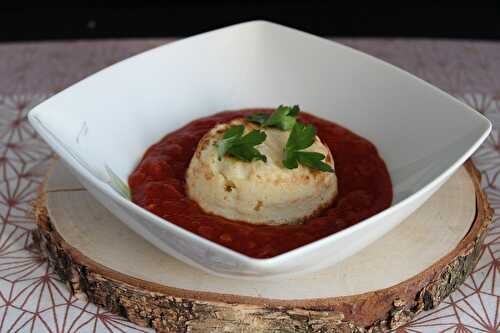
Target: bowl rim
{"points": [[264, 263]]}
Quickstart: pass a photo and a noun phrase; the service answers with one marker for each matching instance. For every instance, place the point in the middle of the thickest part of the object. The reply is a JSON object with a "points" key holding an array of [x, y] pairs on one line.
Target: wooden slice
{"points": [[411, 269]]}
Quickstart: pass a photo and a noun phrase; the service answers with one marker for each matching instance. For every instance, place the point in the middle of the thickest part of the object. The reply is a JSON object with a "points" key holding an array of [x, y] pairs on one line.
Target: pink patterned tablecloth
{"points": [[32, 299]]}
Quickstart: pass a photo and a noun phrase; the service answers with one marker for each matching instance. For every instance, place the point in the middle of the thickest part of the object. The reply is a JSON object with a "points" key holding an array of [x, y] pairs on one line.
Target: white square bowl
{"points": [[111, 117]]}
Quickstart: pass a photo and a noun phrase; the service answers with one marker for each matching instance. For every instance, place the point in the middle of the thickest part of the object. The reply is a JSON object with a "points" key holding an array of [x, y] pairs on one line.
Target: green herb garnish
{"points": [[283, 117], [119, 185], [240, 146], [301, 137], [235, 144]]}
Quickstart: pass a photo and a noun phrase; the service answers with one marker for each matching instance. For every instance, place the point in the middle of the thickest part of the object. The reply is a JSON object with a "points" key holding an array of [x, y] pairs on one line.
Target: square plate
{"points": [[110, 119]]}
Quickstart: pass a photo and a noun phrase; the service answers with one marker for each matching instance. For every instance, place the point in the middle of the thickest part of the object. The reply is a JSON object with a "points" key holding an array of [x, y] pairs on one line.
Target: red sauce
{"points": [[364, 185]]}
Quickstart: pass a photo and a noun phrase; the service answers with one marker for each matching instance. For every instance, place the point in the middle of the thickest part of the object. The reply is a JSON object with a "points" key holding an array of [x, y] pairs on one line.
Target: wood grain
{"points": [[149, 293]]}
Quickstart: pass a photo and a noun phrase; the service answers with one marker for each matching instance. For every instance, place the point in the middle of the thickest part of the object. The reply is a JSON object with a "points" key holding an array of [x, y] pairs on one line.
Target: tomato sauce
{"points": [[364, 185]]}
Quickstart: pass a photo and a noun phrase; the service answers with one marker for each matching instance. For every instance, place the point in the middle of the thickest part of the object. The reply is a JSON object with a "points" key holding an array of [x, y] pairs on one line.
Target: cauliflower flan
{"points": [[258, 192]]}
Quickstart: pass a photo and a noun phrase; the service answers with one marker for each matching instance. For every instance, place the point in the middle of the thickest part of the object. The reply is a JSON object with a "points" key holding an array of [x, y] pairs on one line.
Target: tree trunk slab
{"points": [[411, 269]]}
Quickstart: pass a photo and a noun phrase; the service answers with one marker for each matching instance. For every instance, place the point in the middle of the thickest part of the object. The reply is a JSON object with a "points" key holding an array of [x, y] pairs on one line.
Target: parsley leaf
{"points": [[240, 146], [259, 117], [301, 137], [283, 117], [313, 160]]}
